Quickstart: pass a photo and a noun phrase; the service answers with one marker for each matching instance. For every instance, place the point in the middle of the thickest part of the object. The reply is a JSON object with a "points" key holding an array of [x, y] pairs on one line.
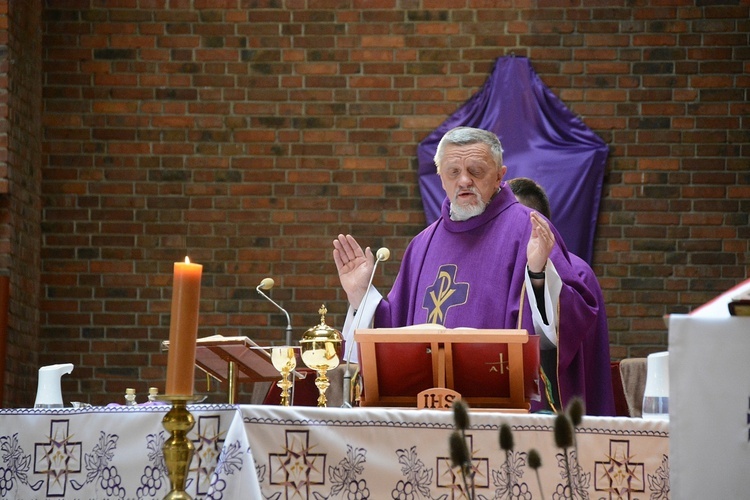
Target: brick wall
{"points": [[247, 135], [20, 185]]}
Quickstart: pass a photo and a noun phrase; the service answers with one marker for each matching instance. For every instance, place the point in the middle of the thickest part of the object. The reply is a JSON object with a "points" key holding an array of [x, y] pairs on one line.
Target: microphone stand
{"points": [[288, 321], [288, 333], [267, 284], [380, 256]]}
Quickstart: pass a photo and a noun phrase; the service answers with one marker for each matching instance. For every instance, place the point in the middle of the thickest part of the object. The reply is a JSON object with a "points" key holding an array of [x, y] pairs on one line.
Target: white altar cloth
{"points": [[116, 453], [259, 452], [324, 453]]}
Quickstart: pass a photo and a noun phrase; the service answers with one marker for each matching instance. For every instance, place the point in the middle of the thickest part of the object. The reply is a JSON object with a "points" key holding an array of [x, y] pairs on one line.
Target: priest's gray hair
{"points": [[463, 136]]}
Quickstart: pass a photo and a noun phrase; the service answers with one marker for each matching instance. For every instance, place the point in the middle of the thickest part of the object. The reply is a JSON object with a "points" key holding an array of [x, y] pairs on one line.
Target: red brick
{"points": [[247, 140]]}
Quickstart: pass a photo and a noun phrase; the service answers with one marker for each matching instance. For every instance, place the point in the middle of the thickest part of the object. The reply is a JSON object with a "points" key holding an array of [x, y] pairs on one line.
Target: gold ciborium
{"points": [[284, 359], [321, 351]]}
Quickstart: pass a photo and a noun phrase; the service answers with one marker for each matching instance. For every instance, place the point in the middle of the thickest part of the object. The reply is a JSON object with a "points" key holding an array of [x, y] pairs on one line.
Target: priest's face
{"points": [[470, 178]]}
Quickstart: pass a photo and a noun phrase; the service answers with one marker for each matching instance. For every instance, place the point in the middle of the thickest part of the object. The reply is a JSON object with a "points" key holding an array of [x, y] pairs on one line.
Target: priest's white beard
{"points": [[464, 212]]}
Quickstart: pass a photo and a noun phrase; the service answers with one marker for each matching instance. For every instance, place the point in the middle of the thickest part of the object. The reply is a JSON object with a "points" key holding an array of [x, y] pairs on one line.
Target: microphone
{"points": [[267, 284], [381, 255]]}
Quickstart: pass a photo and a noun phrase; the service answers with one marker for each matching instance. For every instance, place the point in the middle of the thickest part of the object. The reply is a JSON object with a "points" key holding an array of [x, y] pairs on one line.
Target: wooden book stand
{"points": [[488, 368]]}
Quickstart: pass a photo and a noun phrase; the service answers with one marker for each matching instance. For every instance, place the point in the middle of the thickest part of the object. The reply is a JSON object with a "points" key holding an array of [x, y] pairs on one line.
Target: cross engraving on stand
{"points": [[499, 366]]}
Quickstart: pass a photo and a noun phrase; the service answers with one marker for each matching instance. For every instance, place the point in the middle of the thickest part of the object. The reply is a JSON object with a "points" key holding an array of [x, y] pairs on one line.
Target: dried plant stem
{"points": [[465, 472], [510, 477], [469, 470], [539, 480], [460, 458], [564, 439], [576, 411], [506, 443], [567, 469], [535, 461], [459, 451]]}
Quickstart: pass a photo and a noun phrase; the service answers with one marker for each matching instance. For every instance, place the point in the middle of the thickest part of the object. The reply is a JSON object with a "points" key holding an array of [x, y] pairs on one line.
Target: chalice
{"points": [[321, 351], [285, 361]]}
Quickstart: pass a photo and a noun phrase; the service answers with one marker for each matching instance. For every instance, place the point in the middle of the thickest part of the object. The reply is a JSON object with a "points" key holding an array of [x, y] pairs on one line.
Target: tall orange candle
{"points": [[183, 328]]}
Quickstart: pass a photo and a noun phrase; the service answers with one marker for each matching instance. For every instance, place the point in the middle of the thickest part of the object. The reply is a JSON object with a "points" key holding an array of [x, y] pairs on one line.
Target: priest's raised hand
{"points": [[354, 267]]}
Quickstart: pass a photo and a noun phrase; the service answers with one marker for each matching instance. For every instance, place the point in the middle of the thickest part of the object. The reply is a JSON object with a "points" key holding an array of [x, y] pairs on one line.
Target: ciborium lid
{"points": [[321, 332]]}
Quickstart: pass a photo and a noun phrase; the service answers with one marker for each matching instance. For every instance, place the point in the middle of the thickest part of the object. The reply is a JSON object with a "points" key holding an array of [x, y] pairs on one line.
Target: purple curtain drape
{"points": [[542, 139]]}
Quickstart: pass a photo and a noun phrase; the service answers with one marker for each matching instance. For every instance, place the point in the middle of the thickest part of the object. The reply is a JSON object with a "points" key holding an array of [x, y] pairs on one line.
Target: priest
{"points": [[486, 262]]}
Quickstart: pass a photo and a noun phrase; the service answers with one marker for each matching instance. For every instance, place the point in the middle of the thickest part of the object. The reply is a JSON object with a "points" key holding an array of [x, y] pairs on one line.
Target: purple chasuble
{"points": [[584, 359], [471, 273]]}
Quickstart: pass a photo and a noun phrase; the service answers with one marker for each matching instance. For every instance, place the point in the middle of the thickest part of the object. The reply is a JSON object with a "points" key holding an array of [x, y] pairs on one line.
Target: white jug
{"points": [[48, 393]]}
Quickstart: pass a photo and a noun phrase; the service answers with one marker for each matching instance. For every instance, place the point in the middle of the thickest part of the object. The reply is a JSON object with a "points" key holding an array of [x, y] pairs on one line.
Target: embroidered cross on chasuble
{"points": [[443, 294]]}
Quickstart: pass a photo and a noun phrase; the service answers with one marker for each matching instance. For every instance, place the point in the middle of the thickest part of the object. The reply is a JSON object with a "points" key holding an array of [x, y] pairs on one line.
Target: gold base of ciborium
{"points": [[178, 450], [322, 383]]}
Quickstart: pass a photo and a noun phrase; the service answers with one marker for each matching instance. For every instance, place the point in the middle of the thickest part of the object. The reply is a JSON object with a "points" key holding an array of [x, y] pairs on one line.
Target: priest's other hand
{"points": [[540, 245], [354, 267]]}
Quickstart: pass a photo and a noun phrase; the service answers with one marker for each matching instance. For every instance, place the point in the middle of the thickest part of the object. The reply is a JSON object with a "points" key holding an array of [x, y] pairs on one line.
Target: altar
{"points": [[274, 452]]}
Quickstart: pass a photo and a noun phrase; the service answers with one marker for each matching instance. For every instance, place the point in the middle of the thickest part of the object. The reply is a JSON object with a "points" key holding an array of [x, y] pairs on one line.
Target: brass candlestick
{"points": [[321, 350], [178, 449]]}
